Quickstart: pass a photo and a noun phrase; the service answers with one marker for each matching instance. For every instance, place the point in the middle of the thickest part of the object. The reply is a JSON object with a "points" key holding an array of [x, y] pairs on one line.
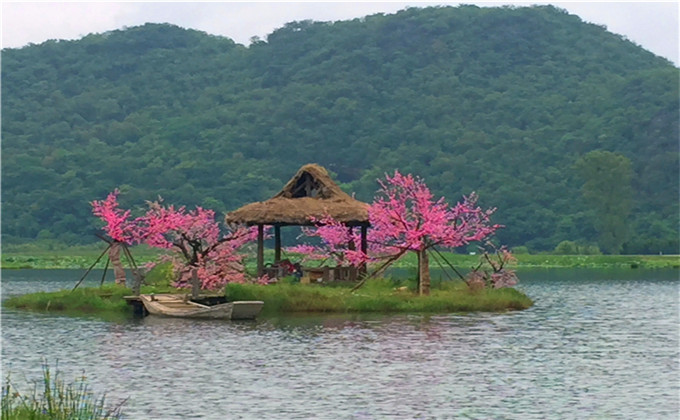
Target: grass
{"points": [[108, 298], [105, 302], [380, 295], [58, 401]]}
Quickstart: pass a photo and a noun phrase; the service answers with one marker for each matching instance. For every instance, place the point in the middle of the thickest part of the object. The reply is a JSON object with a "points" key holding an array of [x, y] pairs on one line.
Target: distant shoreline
{"points": [[83, 259]]}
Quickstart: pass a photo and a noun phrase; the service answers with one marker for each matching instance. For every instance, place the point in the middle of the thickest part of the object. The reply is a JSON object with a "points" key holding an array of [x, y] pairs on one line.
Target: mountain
{"points": [[507, 102]]}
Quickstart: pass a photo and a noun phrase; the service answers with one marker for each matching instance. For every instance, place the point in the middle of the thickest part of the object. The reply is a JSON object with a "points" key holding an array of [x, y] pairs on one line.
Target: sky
{"points": [[652, 25]]}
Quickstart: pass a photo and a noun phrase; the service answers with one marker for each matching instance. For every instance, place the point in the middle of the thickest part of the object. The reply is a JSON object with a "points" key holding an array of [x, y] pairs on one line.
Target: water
{"points": [[596, 345]]}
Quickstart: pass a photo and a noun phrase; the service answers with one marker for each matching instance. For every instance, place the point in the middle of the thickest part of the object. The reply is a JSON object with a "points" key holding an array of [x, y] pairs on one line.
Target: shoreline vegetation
{"points": [[82, 257], [376, 296]]}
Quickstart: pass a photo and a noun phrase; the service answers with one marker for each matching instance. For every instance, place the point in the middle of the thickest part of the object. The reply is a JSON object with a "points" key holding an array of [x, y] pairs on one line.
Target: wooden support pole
{"points": [[260, 250], [137, 277], [352, 247], [195, 284], [350, 244], [106, 268], [91, 267], [277, 243]]}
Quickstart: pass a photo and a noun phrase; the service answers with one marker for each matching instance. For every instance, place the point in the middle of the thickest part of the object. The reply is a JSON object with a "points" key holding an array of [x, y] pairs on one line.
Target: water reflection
{"points": [[595, 345]]}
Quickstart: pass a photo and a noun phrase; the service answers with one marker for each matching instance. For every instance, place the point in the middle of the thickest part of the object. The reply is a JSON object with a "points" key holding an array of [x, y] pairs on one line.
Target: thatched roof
{"points": [[310, 193]]}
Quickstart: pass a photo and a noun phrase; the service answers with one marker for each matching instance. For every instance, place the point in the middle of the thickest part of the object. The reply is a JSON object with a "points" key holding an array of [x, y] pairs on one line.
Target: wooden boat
{"points": [[182, 306]]}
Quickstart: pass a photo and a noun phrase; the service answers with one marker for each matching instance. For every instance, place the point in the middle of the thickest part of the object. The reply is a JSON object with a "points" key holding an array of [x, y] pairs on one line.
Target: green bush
{"points": [[566, 248], [573, 248], [520, 250], [160, 275], [590, 250]]}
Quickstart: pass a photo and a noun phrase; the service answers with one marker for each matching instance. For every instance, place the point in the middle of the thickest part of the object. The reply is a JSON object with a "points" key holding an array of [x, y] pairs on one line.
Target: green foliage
{"points": [[566, 248], [501, 101], [608, 192], [58, 401], [520, 250], [160, 275]]}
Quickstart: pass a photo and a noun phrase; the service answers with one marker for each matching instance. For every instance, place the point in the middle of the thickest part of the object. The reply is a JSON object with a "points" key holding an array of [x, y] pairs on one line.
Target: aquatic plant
{"points": [[58, 401]]}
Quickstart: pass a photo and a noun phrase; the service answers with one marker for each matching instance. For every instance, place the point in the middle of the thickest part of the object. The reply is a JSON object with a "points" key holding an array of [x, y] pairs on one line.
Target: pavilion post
{"points": [[277, 243], [260, 250], [350, 244]]}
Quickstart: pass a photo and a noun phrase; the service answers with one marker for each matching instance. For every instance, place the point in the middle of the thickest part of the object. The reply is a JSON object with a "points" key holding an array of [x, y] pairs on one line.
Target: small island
{"points": [[355, 244]]}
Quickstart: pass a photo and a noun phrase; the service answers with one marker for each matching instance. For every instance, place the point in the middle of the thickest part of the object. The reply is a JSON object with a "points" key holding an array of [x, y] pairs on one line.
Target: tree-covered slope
{"points": [[502, 101]]}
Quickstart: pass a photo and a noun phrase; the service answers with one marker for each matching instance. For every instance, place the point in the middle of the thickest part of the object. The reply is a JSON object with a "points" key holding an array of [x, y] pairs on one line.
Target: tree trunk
{"points": [[118, 270], [423, 273]]}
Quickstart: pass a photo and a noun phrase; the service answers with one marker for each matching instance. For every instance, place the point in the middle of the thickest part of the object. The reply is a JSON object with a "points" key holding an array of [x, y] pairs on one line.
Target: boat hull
{"points": [[179, 306]]}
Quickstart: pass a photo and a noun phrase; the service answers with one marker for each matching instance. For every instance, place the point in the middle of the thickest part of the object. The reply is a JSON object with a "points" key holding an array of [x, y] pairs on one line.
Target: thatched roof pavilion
{"points": [[310, 193]]}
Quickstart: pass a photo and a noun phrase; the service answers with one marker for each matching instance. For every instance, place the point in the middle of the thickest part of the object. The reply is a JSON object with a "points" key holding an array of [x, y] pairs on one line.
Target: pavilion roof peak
{"points": [[312, 181], [310, 193]]}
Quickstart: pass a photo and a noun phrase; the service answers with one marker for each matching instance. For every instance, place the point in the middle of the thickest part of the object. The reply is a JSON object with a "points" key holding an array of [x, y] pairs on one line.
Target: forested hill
{"points": [[571, 131]]}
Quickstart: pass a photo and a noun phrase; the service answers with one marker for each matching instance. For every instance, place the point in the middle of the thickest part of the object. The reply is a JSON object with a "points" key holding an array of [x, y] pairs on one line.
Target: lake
{"points": [[598, 344]]}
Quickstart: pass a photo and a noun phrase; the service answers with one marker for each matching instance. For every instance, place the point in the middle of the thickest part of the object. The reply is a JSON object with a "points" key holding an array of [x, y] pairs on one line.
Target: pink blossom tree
{"points": [[404, 218], [198, 247], [193, 237], [118, 227], [117, 224], [338, 243]]}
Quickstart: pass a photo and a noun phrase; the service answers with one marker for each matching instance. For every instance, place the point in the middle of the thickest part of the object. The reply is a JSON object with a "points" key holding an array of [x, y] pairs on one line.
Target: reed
{"points": [[57, 401]]}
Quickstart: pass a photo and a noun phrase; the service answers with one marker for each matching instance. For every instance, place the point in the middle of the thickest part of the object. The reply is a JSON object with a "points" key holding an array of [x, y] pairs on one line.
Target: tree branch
{"points": [[380, 269]]}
